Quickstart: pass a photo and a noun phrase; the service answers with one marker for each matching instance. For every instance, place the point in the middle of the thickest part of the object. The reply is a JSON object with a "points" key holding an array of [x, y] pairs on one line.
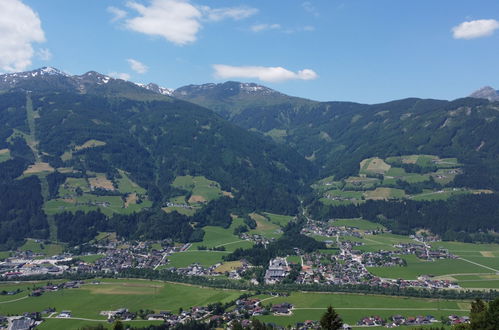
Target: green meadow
{"points": [[351, 307], [200, 188], [186, 258], [49, 249], [357, 223], [90, 299], [416, 267]]}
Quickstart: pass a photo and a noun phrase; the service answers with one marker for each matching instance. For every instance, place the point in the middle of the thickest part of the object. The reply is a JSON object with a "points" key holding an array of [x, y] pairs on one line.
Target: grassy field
{"points": [[65, 324], [229, 266], [446, 193], [265, 227], [202, 190], [91, 258], [294, 259], [39, 247], [416, 267], [384, 193], [351, 307], [90, 299], [357, 223], [4, 255], [278, 219], [205, 258], [218, 236], [355, 182], [4, 155], [126, 185], [75, 195], [373, 165]]}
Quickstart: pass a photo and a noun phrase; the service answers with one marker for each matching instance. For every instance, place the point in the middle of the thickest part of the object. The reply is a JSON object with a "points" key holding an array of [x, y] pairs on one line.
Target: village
{"points": [[348, 265]]}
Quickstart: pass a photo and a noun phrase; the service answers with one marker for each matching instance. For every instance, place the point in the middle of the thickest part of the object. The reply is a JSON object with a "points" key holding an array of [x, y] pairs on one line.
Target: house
{"points": [[155, 317], [23, 323], [64, 314]]}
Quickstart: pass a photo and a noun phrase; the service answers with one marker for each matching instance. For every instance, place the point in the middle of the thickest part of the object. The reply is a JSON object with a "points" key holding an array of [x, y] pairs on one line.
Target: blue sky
{"points": [[364, 51]]}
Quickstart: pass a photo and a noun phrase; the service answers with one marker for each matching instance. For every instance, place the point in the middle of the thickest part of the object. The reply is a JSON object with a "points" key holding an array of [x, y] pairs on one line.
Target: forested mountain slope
{"points": [[336, 136], [52, 129]]}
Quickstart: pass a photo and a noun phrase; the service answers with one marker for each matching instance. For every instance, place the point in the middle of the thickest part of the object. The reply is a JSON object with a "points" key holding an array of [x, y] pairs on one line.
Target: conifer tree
{"points": [[331, 320]]}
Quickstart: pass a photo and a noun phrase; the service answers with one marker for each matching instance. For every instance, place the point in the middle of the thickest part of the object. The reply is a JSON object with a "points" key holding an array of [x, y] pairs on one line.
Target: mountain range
{"points": [[263, 148]]}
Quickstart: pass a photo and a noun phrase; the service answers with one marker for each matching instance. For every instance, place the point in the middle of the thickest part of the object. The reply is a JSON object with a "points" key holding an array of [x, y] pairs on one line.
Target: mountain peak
{"points": [[228, 88], [486, 92], [96, 77], [157, 89]]}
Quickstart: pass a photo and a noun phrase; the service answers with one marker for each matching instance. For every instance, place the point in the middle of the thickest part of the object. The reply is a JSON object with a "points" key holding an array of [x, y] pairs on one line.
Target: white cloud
{"points": [[309, 7], [118, 14], [20, 26], [179, 21], [119, 75], [44, 54], [475, 29], [175, 20], [268, 74], [235, 13], [137, 66], [264, 27]]}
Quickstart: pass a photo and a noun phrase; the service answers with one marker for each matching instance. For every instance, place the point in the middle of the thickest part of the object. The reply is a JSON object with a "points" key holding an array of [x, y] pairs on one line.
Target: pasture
{"points": [[134, 294], [75, 194], [373, 165], [357, 223], [90, 299], [4, 155], [351, 307], [48, 250], [187, 258], [416, 267], [200, 188], [264, 227], [384, 193]]}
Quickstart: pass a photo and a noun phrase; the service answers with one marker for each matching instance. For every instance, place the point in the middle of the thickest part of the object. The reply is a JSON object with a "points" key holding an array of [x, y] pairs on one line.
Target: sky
{"points": [[347, 50]]}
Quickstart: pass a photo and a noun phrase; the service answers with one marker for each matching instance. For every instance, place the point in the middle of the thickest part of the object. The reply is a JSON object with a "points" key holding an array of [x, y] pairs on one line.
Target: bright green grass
{"points": [[4, 255], [396, 172], [385, 193], [327, 201], [181, 210], [198, 186], [40, 247], [445, 194], [205, 258], [126, 185], [279, 219], [294, 259], [318, 302], [218, 236], [360, 182], [480, 284], [89, 300], [265, 227], [416, 267], [67, 324], [4, 155], [358, 223], [486, 261], [116, 205], [460, 247], [380, 242], [91, 258]]}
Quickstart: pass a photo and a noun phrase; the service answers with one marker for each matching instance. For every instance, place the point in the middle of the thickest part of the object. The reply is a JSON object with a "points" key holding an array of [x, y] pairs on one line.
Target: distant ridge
{"points": [[486, 92]]}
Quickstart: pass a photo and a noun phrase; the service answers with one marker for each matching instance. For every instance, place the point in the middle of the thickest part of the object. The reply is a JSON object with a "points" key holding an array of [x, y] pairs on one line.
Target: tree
{"points": [[331, 320], [118, 325]]}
